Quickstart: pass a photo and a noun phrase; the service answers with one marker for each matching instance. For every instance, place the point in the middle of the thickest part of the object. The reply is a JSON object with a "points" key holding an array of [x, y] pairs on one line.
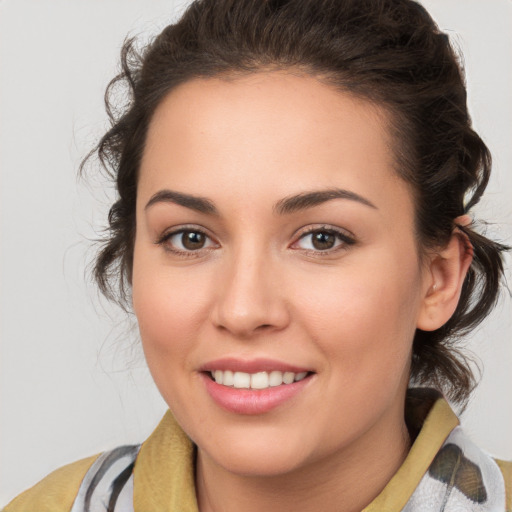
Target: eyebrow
{"points": [[199, 204], [310, 199], [284, 206]]}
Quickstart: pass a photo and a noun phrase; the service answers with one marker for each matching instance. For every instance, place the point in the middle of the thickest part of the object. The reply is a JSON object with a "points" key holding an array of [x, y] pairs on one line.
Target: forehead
{"points": [[289, 107], [274, 128]]}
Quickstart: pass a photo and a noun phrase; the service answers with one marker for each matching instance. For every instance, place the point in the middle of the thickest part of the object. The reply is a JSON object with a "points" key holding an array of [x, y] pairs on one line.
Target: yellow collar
{"points": [[164, 470]]}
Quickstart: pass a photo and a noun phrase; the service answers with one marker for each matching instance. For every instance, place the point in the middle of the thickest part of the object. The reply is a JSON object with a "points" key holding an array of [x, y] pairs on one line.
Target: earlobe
{"points": [[448, 268]]}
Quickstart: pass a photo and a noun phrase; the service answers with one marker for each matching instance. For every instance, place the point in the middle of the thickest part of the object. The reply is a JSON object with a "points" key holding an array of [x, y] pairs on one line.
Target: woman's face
{"points": [[275, 241]]}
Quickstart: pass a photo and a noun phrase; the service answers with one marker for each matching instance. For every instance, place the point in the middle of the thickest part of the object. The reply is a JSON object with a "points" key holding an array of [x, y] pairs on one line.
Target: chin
{"points": [[253, 452], [255, 463]]}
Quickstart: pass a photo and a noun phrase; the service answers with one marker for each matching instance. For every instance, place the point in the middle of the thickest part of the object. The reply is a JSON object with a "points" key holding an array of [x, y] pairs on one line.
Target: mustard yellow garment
{"points": [[164, 472], [56, 492]]}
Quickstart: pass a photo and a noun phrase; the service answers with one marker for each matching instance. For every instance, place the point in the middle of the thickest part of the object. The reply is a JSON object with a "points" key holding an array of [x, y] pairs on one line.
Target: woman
{"points": [[292, 230]]}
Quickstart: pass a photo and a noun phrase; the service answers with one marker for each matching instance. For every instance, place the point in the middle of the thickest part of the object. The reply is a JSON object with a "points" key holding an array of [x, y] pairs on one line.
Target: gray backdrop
{"points": [[72, 378]]}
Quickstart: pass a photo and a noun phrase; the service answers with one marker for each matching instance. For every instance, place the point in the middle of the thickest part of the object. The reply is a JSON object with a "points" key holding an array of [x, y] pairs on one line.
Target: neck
{"points": [[346, 481]]}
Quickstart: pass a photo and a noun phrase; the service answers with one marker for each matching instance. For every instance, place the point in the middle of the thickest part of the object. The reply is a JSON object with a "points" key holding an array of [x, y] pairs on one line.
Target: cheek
{"points": [[364, 318], [170, 305], [169, 310]]}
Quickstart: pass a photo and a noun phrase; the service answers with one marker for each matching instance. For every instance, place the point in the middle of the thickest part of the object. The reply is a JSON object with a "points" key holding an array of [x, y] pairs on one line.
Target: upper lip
{"points": [[251, 365]]}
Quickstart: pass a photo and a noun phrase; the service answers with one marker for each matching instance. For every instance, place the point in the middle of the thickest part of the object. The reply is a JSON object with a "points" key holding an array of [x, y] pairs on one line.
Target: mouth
{"points": [[254, 387], [258, 381]]}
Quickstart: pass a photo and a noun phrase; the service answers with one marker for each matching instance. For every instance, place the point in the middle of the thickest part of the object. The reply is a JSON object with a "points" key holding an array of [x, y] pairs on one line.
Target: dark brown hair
{"points": [[389, 52]]}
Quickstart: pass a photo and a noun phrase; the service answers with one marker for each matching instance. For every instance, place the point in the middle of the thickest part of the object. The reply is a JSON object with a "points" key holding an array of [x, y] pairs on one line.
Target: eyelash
{"points": [[164, 241], [343, 240]]}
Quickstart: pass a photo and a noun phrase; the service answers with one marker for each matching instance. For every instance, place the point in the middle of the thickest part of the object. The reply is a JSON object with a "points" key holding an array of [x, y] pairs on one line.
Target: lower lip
{"points": [[252, 401]]}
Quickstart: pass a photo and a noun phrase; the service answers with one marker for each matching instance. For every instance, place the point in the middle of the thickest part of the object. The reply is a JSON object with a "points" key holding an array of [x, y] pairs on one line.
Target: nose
{"points": [[250, 297]]}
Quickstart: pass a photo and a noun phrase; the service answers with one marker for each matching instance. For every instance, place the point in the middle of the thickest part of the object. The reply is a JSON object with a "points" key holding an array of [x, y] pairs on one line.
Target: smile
{"points": [[255, 386], [259, 380]]}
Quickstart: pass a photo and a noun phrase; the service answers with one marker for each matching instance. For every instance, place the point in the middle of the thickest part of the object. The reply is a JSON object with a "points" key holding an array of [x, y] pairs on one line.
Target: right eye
{"points": [[186, 241]]}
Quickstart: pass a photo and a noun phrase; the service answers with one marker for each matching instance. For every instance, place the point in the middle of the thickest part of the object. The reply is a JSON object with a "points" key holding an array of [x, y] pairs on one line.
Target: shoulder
{"points": [[83, 485], [506, 470], [109, 477], [444, 469], [56, 492], [463, 477]]}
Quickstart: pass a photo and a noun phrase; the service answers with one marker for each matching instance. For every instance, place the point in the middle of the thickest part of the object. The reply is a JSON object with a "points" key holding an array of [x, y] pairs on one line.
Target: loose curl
{"points": [[389, 52]]}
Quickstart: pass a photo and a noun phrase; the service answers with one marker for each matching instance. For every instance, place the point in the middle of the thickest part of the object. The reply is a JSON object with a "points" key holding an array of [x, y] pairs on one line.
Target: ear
{"points": [[446, 272]]}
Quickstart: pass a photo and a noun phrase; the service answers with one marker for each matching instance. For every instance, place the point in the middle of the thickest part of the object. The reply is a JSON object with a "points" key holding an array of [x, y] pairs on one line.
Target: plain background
{"points": [[72, 377]]}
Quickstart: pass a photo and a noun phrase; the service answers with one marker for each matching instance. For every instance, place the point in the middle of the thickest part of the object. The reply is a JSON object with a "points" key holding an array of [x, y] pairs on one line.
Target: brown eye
{"points": [[187, 241], [193, 240], [323, 240]]}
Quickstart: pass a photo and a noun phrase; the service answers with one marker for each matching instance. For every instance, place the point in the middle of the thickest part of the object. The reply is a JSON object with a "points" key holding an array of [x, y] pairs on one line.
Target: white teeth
{"points": [[275, 378], [241, 380], [259, 380], [227, 380], [288, 377]]}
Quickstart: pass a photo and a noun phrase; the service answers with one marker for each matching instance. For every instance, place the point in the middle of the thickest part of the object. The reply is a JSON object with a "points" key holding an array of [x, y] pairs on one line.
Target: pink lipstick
{"points": [[253, 387]]}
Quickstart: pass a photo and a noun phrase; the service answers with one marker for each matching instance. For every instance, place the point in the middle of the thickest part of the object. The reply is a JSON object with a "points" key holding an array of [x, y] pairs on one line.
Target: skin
{"points": [[259, 288]]}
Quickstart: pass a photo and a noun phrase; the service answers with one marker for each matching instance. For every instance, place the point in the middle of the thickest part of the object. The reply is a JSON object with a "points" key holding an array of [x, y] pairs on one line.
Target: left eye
{"points": [[189, 240], [323, 240]]}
